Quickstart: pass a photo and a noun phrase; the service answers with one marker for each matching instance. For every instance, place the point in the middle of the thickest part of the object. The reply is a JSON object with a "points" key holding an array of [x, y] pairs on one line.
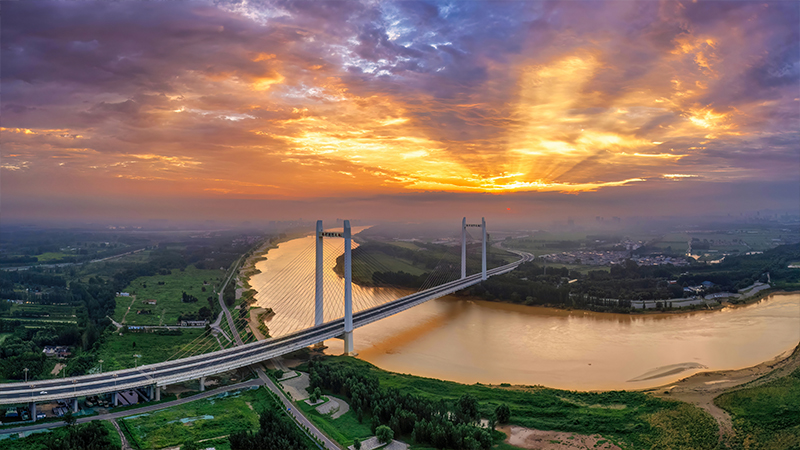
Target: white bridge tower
{"points": [[347, 336], [464, 226]]}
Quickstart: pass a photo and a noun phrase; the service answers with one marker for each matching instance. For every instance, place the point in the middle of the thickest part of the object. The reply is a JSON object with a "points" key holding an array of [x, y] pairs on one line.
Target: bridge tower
{"points": [[318, 319], [464, 226], [463, 248], [348, 291], [347, 336]]}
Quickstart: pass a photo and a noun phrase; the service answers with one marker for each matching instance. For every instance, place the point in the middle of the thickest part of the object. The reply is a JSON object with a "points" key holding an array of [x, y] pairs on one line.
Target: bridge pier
{"points": [[157, 393], [32, 409], [75, 404], [115, 399], [202, 384]]}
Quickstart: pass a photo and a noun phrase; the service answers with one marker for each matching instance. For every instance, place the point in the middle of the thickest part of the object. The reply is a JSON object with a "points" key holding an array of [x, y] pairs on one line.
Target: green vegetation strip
{"points": [[98, 434], [766, 416], [629, 419], [208, 418], [118, 351]]}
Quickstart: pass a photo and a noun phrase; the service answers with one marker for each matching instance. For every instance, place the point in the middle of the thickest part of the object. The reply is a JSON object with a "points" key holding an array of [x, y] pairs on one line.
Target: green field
{"points": [[408, 245], [167, 295], [210, 418], [766, 417], [50, 256], [117, 351], [629, 419], [45, 312], [384, 263]]}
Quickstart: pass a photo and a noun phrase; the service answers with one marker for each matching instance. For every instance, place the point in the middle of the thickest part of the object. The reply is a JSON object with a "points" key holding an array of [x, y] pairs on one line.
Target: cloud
{"points": [[295, 99]]}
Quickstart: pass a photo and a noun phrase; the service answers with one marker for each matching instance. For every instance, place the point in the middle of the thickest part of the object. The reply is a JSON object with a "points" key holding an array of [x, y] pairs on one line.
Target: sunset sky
{"points": [[276, 110]]}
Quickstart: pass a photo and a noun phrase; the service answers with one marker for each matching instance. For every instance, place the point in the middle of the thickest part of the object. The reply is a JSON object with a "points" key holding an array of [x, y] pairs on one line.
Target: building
{"points": [[57, 351]]}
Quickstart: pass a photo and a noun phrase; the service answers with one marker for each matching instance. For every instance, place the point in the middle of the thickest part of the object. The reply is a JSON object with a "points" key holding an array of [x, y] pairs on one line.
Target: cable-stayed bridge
{"points": [[150, 378]]}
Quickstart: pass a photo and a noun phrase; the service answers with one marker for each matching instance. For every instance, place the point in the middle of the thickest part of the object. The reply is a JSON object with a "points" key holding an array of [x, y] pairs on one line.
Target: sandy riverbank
{"points": [[700, 389]]}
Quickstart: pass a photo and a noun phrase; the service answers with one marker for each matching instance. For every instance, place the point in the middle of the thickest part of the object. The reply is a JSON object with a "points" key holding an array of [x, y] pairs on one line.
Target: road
{"points": [[192, 368], [144, 409], [298, 415], [225, 310]]}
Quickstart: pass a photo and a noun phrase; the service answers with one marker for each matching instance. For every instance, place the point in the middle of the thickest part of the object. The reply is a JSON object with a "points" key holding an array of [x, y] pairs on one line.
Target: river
{"points": [[473, 341]]}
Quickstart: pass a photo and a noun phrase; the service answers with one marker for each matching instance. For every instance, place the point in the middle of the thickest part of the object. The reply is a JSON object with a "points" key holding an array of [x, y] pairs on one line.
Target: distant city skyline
{"points": [[245, 110]]}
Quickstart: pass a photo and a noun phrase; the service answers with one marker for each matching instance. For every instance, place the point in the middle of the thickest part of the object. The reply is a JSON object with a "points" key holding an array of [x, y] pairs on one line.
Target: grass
{"points": [[408, 245], [342, 429], [167, 295], [117, 351], [41, 440], [50, 256], [4, 336], [232, 412], [629, 419], [767, 416]]}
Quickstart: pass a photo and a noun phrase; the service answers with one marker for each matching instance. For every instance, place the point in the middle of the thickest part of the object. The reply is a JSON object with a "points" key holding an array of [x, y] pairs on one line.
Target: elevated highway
{"points": [[200, 366]]}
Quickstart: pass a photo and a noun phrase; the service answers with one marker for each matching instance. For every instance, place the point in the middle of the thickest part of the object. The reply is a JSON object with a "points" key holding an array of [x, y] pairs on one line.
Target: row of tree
{"points": [[276, 431], [439, 423]]}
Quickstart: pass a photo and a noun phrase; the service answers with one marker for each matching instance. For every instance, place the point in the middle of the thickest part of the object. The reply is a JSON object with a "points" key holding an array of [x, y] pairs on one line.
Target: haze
{"points": [[398, 110]]}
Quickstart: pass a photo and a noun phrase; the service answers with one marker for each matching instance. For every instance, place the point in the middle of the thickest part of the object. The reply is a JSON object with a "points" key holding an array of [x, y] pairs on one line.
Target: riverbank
{"points": [[608, 420], [702, 388]]}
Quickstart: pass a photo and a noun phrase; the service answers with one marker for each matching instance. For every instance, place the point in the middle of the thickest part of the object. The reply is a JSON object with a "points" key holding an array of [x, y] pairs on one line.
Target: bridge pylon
{"points": [[348, 291], [318, 311], [347, 335], [464, 226]]}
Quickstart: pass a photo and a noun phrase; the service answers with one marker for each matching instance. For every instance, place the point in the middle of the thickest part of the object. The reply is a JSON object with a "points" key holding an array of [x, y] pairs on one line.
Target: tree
{"points": [[190, 445], [503, 413], [69, 419], [384, 434], [317, 394], [356, 444], [467, 408], [89, 436], [276, 431]]}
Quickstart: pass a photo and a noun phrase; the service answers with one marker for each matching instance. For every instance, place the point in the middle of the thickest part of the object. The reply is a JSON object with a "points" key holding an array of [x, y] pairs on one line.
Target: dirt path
{"points": [[253, 322], [554, 440], [125, 445], [133, 300], [702, 388], [57, 368]]}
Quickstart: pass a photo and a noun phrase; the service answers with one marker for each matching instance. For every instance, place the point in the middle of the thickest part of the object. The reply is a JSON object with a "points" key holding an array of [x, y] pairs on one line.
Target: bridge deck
{"points": [[171, 372]]}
